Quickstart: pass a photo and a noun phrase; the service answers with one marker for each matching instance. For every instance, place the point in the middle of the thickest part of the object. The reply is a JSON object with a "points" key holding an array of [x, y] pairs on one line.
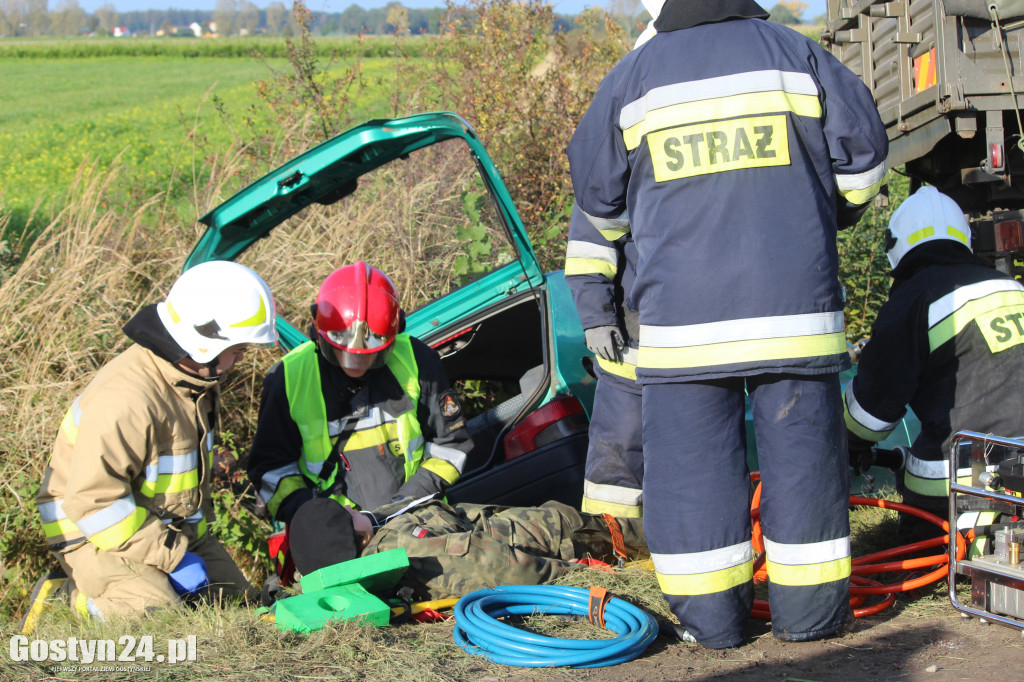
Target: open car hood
{"points": [[331, 171]]}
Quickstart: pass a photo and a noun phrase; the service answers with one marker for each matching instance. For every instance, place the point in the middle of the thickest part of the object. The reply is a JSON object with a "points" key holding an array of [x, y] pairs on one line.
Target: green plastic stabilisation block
{"points": [[343, 592], [376, 572]]}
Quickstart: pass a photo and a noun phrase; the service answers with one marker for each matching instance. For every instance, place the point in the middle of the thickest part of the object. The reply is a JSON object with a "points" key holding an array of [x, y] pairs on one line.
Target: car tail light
{"points": [[563, 416], [1008, 236]]}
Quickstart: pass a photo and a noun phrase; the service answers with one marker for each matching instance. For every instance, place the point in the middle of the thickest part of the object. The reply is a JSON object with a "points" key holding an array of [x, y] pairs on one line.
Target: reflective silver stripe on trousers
{"points": [[932, 469], [616, 494], [807, 553], [695, 563]]}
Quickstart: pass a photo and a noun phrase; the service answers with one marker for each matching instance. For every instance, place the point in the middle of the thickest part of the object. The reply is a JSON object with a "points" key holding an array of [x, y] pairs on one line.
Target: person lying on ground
{"points": [[456, 549]]}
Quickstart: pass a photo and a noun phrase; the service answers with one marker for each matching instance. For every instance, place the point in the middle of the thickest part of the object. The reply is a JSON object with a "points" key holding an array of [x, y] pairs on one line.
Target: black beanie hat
{"points": [[321, 534]]}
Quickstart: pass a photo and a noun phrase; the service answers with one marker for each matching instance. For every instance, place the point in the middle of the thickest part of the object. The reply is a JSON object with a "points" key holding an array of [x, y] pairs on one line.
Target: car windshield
{"points": [[427, 220]]}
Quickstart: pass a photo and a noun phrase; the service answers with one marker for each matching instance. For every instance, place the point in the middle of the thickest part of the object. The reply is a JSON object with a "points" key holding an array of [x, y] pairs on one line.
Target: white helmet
{"points": [[215, 305], [653, 8], [925, 216]]}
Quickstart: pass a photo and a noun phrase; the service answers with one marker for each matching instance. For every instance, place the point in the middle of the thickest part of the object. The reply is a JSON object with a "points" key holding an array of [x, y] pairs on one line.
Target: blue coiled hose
{"points": [[478, 631]]}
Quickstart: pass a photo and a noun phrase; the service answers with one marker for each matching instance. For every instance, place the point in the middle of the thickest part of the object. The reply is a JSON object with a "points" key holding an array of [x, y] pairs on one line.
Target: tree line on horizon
{"points": [[34, 18]]}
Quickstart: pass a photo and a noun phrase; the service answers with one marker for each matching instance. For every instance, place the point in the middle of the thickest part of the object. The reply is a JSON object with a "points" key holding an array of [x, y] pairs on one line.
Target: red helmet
{"points": [[357, 312]]}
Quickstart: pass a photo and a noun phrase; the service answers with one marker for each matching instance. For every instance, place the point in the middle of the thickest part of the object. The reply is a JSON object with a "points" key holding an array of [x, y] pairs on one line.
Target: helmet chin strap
{"points": [[193, 367], [212, 366]]}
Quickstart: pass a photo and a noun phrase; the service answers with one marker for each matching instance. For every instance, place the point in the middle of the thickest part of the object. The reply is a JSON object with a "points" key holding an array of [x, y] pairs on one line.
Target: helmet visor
{"points": [[363, 362], [357, 337]]}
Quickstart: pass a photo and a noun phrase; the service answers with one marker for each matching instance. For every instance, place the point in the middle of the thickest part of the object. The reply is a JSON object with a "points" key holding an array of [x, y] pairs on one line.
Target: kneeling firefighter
{"points": [[948, 342], [125, 500], [361, 414]]}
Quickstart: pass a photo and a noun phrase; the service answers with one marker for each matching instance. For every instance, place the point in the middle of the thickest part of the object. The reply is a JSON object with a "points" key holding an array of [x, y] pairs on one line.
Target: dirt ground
{"points": [[922, 636], [905, 642]]}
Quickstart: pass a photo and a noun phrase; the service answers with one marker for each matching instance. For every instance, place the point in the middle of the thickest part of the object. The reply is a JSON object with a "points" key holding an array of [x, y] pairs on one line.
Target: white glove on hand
{"points": [[605, 342]]}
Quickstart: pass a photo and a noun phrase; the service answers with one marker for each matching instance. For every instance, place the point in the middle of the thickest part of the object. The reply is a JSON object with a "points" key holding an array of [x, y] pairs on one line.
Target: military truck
{"points": [[948, 79]]}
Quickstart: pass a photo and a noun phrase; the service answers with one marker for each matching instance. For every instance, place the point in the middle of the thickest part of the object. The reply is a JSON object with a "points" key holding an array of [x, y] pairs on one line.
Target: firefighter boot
{"points": [[45, 589]]}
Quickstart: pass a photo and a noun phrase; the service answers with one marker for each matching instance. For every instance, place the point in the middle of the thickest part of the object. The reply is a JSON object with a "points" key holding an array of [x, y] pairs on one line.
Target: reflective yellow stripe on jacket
{"points": [[172, 474], [989, 303], [750, 94], [741, 104], [585, 258], [863, 423], [107, 528], [111, 526], [739, 341], [625, 369]]}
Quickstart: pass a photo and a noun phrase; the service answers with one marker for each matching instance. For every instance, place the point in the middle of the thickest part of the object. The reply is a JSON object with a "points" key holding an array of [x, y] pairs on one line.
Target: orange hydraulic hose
{"points": [[861, 586]]}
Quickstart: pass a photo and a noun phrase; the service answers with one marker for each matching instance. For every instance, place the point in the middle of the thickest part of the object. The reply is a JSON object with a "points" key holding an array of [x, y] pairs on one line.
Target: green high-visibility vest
{"points": [[309, 411]]}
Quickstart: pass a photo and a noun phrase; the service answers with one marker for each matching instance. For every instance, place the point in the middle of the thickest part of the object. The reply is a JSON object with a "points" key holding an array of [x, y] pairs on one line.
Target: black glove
{"points": [[605, 342], [862, 457]]}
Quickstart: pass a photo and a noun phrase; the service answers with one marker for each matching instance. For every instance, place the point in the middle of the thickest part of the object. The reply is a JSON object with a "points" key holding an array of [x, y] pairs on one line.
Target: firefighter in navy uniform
{"points": [[599, 274], [949, 342], [732, 149], [362, 413]]}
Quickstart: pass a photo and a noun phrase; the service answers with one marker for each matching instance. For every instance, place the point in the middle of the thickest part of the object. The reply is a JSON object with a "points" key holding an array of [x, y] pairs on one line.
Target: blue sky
{"points": [[815, 7]]}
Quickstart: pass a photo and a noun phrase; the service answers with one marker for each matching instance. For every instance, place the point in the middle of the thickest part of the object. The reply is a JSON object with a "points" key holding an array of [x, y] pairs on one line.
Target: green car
{"points": [[420, 198]]}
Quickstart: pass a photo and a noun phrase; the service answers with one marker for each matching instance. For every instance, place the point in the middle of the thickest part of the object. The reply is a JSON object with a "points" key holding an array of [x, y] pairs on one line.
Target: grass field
{"points": [[159, 114], [57, 113]]}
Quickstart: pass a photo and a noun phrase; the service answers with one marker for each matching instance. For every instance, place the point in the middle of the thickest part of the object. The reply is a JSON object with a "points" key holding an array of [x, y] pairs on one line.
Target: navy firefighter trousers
{"points": [[615, 457], [697, 488]]}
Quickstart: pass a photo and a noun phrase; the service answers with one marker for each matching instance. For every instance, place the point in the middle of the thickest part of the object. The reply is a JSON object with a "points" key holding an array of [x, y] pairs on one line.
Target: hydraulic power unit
{"points": [[992, 506]]}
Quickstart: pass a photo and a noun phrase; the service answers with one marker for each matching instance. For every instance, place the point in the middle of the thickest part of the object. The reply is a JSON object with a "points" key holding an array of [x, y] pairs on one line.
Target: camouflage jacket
{"points": [[454, 550]]}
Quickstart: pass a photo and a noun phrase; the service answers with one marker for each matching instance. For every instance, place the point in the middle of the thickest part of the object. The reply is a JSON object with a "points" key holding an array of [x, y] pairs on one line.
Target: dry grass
{"points": [[406, 218], [61, 311], [235, 644]]}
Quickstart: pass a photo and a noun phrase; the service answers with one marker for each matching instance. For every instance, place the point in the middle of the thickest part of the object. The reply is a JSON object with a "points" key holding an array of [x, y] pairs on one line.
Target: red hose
{"points": [[860, 586]]}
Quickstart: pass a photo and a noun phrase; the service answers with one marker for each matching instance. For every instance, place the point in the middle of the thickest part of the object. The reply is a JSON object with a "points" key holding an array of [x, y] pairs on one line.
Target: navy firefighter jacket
{"points": [[730, 148], [949, 342]]}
